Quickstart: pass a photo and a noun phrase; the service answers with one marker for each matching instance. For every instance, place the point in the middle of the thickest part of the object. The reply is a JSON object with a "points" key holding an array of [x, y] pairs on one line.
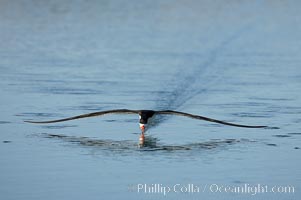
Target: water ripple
{"points": [[151, 143]]}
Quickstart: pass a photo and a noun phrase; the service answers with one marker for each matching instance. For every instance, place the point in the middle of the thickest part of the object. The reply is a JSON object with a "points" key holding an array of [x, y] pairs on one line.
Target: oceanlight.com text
{"points": [[191, 188]]}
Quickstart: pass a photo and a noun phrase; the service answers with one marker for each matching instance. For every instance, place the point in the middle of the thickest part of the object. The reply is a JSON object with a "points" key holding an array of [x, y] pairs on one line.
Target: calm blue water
{"points": [[234, 61]]}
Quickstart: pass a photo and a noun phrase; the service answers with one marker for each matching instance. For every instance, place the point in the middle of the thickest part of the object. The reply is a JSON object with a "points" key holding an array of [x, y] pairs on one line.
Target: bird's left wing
{"points": [[94, 114]]}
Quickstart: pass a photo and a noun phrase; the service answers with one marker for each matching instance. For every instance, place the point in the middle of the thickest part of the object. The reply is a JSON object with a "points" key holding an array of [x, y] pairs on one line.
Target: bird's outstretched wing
{"points": [[94, 114], [171, 112]]}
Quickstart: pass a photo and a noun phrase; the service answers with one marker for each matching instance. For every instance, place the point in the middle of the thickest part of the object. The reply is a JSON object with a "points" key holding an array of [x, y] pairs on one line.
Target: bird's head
{"points": [[143, 122], [143, 127], [144, 117]]}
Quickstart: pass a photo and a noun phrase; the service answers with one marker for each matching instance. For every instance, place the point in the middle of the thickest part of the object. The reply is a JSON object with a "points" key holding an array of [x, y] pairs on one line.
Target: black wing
{"points": [[94, 114], [171, 112]]}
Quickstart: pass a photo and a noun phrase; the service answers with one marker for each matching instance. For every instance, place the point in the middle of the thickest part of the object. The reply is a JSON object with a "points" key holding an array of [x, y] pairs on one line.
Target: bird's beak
{"points": [[142, 127]]}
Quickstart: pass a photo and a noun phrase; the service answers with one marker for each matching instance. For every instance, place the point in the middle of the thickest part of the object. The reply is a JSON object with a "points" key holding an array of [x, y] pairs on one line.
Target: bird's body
{"points": [[144, 116]]}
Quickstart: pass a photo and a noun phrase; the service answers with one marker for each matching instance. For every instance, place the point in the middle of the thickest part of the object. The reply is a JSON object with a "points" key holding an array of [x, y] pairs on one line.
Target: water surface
{"points": [[234, 61]]}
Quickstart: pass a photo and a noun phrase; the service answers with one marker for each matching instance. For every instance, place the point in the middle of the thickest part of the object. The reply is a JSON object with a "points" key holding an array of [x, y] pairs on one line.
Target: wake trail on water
{"points": [[186, 84], [190, 82]]}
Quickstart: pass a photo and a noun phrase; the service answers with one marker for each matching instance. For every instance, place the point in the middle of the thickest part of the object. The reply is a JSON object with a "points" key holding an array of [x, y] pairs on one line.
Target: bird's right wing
{"points": [[172, 112], [94, 114]]}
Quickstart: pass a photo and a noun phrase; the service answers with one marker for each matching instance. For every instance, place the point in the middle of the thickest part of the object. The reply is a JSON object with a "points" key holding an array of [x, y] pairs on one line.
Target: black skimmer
{"points": [[145, 116]]}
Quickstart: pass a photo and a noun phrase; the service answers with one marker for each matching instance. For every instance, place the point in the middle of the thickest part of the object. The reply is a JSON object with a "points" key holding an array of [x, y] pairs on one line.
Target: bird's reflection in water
{"points": [[150, 143]]}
